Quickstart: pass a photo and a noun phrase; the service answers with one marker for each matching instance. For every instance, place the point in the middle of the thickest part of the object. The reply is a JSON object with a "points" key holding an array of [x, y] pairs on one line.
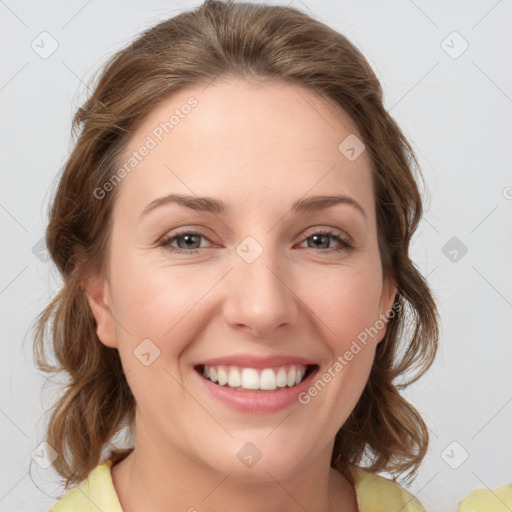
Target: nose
{"points": [[259, 295]]}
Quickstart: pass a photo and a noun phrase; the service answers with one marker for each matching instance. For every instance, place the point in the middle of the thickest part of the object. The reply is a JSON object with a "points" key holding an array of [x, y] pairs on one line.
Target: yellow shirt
{"points": [[486, 500], [374, 494]]}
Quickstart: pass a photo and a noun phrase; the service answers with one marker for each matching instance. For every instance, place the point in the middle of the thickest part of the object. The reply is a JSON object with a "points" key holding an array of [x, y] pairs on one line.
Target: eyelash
{"points": [[346, 245]]}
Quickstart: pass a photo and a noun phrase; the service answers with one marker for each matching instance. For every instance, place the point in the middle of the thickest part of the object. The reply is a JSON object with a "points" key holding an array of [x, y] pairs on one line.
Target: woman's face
{"points": [[257, 282]]}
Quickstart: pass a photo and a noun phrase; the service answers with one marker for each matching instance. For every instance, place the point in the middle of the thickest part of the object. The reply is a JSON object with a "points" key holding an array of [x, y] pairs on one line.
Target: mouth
{"points": [[256, 379]]}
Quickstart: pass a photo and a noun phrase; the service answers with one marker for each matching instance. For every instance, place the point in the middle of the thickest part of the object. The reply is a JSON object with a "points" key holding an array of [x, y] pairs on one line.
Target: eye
{"points": [[190, 238], [189, 242], [321, 237]]}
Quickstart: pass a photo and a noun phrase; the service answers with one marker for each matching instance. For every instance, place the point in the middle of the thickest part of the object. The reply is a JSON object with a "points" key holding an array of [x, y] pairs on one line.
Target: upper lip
{"points": [[252, 361]]}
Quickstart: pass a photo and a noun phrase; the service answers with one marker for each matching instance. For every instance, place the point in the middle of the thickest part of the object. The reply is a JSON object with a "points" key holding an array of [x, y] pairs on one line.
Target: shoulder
{"points": [[482, 500], [378, 494], [95, 493]]}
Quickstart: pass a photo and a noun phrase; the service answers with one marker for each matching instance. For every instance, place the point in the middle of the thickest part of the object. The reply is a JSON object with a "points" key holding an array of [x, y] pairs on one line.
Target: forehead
{"points": [[251, 140]]}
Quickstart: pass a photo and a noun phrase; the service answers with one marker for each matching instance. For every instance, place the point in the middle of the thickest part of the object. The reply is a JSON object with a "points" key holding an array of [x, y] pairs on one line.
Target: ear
{"points": [[387, 299], [97, 289]]}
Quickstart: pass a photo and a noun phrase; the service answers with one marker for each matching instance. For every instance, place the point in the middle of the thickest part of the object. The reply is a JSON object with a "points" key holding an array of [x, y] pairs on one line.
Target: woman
{"points": [[233, 228]]}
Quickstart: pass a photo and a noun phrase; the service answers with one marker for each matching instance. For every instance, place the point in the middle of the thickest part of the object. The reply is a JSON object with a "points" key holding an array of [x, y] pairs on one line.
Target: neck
{"points": [[167, 480]]}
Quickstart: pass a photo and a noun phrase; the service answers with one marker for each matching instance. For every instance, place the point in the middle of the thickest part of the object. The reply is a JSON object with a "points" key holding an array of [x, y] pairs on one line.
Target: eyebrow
{"points": [[210, 204]]}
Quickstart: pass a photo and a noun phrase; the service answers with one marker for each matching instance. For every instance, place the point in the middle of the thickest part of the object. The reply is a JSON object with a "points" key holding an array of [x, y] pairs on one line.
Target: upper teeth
{"points": [[250, 378]]}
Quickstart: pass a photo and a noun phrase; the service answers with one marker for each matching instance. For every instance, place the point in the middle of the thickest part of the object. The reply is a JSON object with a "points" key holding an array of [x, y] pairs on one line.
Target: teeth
{"points": [[235, 379], [250, 378], [291, 377], [268, 379], [281, 378], [222, 376]]}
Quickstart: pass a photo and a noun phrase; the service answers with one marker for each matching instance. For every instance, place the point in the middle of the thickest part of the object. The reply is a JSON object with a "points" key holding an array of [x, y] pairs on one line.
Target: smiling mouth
{"points": [[256, 380]]}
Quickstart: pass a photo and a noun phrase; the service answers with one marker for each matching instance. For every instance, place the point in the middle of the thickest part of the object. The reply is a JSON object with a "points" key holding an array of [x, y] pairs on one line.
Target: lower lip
{"points": [[259, 401]]}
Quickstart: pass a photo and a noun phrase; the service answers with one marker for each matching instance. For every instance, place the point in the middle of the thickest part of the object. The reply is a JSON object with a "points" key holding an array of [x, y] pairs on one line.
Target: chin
{"points": [[249, 464]]}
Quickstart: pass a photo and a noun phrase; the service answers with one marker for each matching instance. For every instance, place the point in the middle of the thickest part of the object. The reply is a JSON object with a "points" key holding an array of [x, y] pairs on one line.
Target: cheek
{"points": [[157, 313], [165, 304], [345, 302], [152, 301]]}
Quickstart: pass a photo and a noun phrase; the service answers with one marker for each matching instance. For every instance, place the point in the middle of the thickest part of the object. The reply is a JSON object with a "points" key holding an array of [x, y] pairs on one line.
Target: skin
{"points": [[258, 146]]}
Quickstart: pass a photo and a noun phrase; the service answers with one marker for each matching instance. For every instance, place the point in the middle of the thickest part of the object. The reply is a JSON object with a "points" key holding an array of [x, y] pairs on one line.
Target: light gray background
{"points": [[457, 113]]}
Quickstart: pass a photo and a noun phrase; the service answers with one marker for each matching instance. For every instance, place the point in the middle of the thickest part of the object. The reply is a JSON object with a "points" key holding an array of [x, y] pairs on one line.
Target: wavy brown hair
{"points": [[246, 41]]}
